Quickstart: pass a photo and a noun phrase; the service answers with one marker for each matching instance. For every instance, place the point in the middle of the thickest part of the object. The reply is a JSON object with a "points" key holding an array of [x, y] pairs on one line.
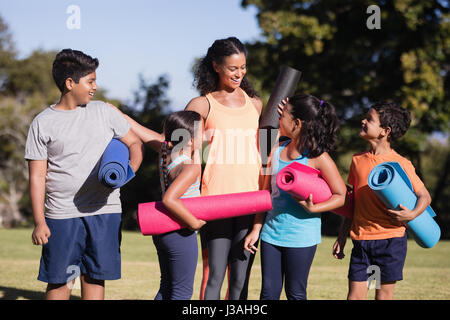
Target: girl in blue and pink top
{"points": [[291, 231]]}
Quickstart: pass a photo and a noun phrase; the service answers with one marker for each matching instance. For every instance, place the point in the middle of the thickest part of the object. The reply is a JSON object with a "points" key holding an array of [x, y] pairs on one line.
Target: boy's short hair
{"points": [[72, 64], [393, 116]]}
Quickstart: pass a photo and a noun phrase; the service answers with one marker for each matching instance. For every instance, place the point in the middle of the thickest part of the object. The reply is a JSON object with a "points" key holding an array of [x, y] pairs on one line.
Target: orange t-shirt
{"points": [[370, 219]]}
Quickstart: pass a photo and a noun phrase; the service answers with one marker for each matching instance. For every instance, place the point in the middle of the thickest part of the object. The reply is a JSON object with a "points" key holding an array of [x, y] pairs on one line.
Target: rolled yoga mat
{"points": [[285, 85], [392, 186], [154, 218], [114, 170], [300, 181]]}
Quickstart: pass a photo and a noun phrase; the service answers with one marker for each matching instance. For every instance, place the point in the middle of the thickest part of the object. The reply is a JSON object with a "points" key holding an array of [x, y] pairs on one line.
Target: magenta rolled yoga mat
{"points": [[300, 180], [153, 217]]}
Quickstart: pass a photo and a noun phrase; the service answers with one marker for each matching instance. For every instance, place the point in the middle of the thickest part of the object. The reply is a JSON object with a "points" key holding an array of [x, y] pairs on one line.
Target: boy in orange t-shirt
{"points": [[378, 233]]}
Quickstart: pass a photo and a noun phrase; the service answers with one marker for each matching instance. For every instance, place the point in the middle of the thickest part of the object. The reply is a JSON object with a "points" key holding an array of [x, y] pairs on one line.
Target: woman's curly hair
{"points": [[206, 78]]}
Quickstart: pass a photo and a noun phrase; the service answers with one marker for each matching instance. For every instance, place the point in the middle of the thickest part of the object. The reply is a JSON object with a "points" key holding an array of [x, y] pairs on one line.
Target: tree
{"points": [[27, 89], [7, 51], [435, 159], [14, 121], [406, 60], [24, 90], [345, 62]]}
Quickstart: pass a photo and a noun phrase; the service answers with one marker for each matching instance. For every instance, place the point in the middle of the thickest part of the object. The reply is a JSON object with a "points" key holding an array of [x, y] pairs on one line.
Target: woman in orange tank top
{"points": [[231, 109]]}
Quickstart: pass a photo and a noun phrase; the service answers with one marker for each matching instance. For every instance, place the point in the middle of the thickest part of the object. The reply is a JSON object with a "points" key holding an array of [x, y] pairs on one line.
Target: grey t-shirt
{"points": [[73, 142]]}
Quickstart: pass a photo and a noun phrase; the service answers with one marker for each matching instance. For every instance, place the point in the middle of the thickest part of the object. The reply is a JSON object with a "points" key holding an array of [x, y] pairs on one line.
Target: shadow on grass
{"points": [[14, 294]]}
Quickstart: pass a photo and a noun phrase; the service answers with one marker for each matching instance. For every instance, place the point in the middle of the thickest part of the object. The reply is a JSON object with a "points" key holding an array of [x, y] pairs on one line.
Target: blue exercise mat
{"points": [[114, 170], [392, 186]]}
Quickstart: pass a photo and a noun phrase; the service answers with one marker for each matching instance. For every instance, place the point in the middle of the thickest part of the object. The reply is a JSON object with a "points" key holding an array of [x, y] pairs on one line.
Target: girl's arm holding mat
{"points": [[171, 198], [328, 170]]}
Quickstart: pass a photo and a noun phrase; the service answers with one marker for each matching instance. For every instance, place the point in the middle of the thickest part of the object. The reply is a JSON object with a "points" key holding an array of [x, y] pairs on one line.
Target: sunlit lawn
{"points": [[426, 273]]}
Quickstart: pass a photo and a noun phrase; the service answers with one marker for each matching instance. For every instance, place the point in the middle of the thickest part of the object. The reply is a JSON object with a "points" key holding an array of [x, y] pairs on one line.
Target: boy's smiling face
{"points": [[84, 90]]}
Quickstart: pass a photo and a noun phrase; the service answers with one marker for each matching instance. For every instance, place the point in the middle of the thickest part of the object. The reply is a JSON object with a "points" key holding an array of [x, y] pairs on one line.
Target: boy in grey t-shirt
{"points": [[80, 229]]}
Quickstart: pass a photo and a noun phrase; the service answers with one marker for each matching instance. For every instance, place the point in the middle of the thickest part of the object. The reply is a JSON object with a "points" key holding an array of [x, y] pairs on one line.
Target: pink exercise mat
{"points": [[153, 217], [300, 181]]}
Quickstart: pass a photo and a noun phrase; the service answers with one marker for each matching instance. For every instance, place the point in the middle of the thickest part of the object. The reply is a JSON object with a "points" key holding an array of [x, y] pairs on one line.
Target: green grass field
{"points": [[426, 273]]}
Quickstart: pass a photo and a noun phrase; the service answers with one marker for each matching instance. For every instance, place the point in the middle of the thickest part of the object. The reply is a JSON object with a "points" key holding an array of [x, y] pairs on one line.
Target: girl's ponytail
{"points": [[326, 126], [320, 124]]}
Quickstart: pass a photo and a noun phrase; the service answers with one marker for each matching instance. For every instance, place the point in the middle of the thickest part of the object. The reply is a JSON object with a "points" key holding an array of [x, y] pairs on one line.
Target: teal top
{"points": [[288, 224], [193, 190]]}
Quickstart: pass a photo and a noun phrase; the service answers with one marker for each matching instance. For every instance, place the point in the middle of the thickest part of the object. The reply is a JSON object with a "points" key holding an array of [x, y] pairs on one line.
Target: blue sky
{"points": [[151, 37]]}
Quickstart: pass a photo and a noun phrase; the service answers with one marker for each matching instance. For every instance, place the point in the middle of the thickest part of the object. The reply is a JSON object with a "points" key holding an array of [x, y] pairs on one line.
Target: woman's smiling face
{"points": [[232, 70]]}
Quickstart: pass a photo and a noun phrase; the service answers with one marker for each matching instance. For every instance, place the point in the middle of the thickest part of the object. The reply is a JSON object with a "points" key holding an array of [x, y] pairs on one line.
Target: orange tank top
{"points": [[233, 161]]}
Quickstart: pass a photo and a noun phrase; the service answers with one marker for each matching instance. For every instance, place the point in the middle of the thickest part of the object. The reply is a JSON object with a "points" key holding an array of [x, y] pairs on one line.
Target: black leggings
{"points": [[225, 244]]}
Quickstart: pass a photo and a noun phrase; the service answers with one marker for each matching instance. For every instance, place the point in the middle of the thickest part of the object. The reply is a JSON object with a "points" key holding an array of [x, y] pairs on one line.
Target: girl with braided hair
{"points": [[180, 171]]}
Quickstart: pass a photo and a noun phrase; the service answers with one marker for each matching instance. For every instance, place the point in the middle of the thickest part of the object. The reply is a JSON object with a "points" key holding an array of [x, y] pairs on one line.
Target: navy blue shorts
{"points": [[86, 245], [387, 254]]}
